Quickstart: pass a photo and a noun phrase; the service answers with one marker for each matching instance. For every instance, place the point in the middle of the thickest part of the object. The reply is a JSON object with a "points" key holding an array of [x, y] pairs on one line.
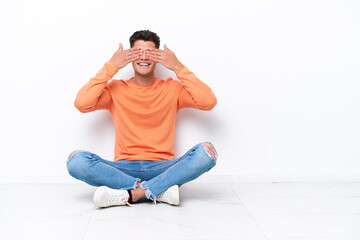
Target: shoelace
{"points": [[118, 197], [161, 197]]}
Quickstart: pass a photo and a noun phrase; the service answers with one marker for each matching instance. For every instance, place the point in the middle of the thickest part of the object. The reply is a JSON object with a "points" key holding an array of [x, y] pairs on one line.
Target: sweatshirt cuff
{"points": [[111, 67], [182, 71]]}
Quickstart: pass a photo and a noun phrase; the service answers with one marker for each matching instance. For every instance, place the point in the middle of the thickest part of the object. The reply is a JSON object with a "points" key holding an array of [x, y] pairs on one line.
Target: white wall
{"points": [[286, 74]]}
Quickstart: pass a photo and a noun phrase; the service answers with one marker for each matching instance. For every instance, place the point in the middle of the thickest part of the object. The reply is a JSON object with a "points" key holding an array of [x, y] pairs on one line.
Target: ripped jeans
{"points": [[156, 176]]}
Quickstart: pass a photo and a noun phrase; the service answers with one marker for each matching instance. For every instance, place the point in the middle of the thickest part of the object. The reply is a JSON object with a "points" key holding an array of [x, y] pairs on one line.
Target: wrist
{"points": [[178, 68], [113, 63]]}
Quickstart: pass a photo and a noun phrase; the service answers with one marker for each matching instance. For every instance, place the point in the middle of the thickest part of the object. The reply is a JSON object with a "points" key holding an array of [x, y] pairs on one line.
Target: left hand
{"points": [[166, 57]]}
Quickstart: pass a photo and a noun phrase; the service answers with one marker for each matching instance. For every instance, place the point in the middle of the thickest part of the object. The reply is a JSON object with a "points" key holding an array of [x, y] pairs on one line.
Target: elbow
{"points": [[211, 103], [80, 106]]}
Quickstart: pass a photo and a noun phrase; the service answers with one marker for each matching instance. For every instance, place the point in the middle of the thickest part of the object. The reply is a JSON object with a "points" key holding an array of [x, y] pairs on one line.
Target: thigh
{"points": [[182, 170], [94, 170], [152, 169], [130, 167]]}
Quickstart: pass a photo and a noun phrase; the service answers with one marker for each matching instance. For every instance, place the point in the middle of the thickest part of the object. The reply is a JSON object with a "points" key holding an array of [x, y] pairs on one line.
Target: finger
{"points": [[120, 47], [136, 55], [157, 54], [133, 59], [155, 50], [134, 50], [155, 59], [167, 49], [131, 50]]}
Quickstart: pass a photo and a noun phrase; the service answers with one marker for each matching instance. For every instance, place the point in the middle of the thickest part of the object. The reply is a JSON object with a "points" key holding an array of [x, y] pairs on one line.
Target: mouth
{"points": [[143, 64]]}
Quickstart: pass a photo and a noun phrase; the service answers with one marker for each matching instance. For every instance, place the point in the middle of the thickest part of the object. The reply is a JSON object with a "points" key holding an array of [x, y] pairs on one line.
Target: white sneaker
{"points": [[170, 196], [106, 197]]}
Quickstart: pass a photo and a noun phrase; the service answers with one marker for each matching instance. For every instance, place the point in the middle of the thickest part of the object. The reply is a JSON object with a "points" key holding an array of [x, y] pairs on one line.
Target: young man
{"points": [[143, 109]]}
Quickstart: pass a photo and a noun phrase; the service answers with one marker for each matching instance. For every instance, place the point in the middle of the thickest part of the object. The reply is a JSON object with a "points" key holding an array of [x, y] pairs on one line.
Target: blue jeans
{"points": [[156, 176]]}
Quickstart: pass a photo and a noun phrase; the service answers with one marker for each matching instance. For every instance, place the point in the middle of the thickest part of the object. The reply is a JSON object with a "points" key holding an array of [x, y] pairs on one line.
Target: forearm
{"points": [[88, 97], [201, 93]]}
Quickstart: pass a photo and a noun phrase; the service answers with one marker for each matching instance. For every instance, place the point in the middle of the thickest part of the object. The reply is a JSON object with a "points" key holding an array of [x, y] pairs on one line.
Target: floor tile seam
{"points": [[38, 217], [308, 214], [88, 224], [250, 214], [302, 196], [115, 217], [312, 238], [340, 237]]}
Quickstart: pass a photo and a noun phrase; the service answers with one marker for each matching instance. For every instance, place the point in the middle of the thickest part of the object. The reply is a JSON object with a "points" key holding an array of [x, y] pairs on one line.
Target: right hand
{"points": [[121, 57]]}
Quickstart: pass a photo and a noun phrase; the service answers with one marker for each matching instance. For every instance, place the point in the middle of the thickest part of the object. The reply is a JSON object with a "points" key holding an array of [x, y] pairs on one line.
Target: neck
{"points": [[144, 80]]}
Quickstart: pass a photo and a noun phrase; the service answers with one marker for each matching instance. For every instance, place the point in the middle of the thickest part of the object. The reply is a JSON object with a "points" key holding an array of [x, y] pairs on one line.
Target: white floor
{"points": [[281, 211]]}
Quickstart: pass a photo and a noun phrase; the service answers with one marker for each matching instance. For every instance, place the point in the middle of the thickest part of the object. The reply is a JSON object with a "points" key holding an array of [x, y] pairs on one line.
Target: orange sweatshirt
{"points": [[144, 117]]}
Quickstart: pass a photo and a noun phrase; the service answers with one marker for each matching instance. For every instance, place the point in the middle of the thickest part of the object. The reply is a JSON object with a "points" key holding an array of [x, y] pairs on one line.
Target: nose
{"points": [[144, 55]]}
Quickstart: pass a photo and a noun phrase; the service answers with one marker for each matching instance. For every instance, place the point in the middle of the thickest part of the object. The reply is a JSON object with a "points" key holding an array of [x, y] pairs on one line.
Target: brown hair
{"points": [[145, 35]]}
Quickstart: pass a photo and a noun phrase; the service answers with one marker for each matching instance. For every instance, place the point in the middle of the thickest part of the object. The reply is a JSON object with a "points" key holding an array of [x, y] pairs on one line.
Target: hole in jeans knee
{"points": [[73, 153], [210, 150]]}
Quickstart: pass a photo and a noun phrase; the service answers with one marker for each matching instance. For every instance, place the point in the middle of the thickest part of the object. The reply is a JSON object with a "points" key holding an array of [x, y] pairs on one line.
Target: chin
{"points": [[143, 73]]}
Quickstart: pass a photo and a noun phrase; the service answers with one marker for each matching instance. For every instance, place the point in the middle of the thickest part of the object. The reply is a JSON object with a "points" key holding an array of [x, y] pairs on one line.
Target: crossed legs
{"points": [[95, 171]]}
